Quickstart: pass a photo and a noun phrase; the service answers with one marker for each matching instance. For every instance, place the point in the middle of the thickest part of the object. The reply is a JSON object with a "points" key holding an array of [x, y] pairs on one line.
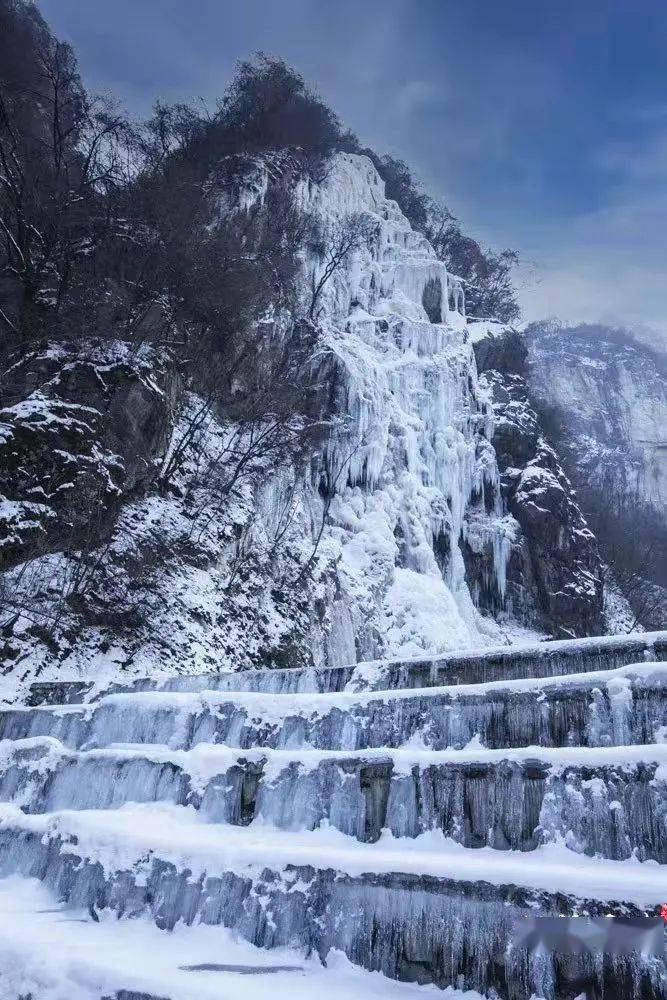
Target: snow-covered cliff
{"points": [[612, 393], [358, 556], [554, 573]]}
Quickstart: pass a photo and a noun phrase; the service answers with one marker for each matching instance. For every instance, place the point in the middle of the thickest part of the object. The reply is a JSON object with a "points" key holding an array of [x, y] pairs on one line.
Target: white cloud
{"points": [[610, 265], [416, 94], [631, 162], [581, 290]]}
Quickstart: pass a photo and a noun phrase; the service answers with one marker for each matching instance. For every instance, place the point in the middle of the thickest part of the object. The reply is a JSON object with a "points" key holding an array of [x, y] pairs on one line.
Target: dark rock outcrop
{"points": [[79, 431], [554, 574]]}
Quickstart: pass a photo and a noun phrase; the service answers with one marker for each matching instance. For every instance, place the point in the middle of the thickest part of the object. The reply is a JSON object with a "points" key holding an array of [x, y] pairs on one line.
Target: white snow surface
{"points": [[122, 839], [53, 953]]}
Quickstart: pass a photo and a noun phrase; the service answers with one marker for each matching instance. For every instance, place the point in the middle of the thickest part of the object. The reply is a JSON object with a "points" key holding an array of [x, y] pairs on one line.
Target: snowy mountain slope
{"points": [[397, 538], [358, 558], [612, 392]]}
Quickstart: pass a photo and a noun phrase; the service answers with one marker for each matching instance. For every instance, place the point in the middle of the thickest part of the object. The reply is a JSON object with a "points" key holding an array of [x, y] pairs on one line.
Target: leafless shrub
{"points": [[335, 245], [634, 548]]}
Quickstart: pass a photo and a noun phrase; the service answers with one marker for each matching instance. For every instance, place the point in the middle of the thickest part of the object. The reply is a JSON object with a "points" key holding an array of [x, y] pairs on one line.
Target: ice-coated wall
{"points": [[409, 445]]}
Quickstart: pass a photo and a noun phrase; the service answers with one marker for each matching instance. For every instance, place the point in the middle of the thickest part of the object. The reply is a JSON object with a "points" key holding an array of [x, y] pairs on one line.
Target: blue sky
{"points": [[542, 124]]}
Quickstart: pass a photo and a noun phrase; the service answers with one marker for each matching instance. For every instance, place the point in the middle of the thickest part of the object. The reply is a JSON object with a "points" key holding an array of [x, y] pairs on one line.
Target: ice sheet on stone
{"points": [[595, 801], [55, 953], [121, 840], [537, 659], [621, 706], [204, 761], [304, 702]]}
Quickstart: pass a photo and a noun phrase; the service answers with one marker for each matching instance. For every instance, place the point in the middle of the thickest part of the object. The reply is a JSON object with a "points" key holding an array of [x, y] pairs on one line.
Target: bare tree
{"points": [[634, 548], [334, 246], [60, 156], [486, 274]]}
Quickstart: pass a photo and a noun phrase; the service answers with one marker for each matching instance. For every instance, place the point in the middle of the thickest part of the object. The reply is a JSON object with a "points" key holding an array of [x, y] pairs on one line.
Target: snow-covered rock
{"points": [[85, 426], [554, 569], [359, 557], [612, 392]]}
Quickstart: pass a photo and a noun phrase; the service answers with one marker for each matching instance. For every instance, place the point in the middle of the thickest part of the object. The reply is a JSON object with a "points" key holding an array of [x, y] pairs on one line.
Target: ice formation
{"points": [[400, 485], [411, 830], [201, 963], [411, 445]]}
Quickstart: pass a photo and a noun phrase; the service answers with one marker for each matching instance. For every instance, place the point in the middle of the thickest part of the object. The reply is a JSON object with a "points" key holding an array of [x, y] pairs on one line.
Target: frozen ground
{"points": [[50, 953]]}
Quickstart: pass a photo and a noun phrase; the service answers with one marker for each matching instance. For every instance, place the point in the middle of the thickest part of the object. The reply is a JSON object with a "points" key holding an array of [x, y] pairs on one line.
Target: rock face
{"points": [[554, 570], [605, 394], [81, 432], [611, 392]]}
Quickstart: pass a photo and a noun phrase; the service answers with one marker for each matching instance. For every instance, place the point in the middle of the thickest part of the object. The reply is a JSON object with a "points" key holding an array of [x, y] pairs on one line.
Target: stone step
{"points": [[624, 706], [407, 910], [79, 957], [606, 802], [545, 659]]}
